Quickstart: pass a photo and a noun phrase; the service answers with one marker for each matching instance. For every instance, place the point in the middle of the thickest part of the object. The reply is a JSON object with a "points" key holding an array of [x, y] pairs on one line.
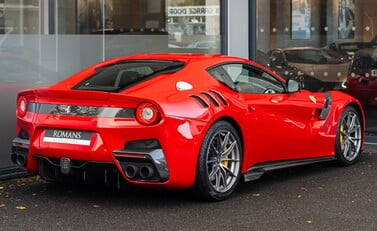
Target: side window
{"points": [[247, 79], [271, 84], [233, 70], [222, 76]]}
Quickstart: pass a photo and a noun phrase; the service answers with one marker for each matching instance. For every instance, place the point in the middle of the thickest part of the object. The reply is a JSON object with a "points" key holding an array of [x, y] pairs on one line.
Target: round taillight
{"points": [[147, 114], [21, 106]]}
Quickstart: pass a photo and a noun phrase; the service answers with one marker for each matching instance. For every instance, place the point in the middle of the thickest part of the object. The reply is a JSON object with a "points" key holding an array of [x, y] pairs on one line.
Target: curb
{"points": [[371, 139], [12, 172]]}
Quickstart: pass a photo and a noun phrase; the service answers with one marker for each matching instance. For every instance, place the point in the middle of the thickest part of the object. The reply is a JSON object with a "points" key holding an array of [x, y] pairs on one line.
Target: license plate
{"points": [[67, 137], [374, 73]]}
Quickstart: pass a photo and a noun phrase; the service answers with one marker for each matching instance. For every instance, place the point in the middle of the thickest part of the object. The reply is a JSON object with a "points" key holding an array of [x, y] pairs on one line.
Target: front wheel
{"points": [[349, 137], [219, 163]]}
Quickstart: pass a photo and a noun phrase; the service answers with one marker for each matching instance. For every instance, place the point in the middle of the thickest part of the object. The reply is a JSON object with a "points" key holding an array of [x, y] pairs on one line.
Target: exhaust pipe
{"points": [[21, 161], [131, 171], [14, 158], [146, 172], [18, 159]]}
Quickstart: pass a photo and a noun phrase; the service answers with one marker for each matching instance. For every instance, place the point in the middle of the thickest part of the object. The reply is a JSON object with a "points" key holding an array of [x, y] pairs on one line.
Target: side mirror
{"points": [[293, 86]]}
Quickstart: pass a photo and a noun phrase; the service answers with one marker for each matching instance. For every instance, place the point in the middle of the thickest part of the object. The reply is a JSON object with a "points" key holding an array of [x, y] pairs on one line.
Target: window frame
{"points": [[179, 65], [270, 73]]}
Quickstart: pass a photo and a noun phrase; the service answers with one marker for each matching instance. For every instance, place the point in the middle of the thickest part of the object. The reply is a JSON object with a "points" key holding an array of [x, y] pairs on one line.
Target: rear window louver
{"points": [[211, 97]]}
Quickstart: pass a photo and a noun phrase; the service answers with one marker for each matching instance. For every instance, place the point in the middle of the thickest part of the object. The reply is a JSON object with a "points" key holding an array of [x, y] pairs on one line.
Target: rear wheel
{"points": [[349, 137], [219, 164]]}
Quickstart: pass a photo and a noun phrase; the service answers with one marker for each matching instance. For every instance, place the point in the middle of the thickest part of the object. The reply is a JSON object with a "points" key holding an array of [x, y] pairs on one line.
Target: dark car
{"points": [[362, 80], [284, 71], [322, 69], [349, 48]]}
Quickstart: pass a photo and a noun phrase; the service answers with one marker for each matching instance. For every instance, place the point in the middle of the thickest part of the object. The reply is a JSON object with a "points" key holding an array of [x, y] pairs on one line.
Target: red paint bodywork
{"points": [[272, 127]]}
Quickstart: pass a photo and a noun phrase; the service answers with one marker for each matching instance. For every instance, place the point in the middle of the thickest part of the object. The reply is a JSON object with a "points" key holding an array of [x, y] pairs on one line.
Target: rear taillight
{"points": [[147, 114], [21, 106]]}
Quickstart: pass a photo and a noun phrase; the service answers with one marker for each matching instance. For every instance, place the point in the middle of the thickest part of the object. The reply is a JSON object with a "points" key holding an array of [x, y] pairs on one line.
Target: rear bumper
{"points": [[92, 173], [150, 165], [172, 164]]}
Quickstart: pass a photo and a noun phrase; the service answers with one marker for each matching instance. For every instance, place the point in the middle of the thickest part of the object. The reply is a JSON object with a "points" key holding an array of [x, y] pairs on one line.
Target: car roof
{"points": [[300, 48], [178, 57], [204, 59]]}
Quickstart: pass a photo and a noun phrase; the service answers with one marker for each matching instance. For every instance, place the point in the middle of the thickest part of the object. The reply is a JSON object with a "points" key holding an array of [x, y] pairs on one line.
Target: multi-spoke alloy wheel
{"points": [[349, 137], [223, 160], [219, 162]]}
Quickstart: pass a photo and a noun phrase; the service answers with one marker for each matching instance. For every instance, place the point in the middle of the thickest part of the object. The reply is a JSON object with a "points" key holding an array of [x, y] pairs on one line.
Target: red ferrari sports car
{"points": [[181, 121]]}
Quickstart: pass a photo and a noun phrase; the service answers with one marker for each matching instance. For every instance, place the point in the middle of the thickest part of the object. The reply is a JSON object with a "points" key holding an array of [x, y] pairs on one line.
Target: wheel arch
{"points": [[203, 186], [359, 110], [235, 124], [357, 106]]}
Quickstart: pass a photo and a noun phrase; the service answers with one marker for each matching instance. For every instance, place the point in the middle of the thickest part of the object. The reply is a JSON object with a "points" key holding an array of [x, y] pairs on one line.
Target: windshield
{"points": [[305, 56], [119, 76], [362, 64], [313, 56], [334, 57]]}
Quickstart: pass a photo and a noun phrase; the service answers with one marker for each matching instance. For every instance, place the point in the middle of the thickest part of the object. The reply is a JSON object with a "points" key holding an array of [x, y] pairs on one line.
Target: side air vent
{"points": [[210, 97], [220, 97], [199, 100]]}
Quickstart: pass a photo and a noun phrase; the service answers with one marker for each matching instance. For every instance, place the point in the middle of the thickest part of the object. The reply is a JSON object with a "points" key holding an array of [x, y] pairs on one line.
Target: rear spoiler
{"points": [[84, 97]]}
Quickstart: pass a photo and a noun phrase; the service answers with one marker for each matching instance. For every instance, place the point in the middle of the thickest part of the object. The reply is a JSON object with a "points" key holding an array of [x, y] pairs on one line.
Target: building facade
{"points": [[44, 41]]}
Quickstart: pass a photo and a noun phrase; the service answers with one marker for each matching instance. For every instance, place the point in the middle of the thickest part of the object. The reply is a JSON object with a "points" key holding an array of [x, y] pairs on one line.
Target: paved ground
{"points": [[314, 197], [371, 118]]}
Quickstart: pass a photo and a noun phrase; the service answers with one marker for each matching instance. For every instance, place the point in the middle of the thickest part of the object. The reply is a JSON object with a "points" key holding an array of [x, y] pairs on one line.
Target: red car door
{"points": [[279, 124]]}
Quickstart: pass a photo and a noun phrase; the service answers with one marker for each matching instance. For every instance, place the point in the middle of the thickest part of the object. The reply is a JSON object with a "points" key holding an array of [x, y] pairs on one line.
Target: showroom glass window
{"points": [[44, 41], [128, 26], [326, 44]]}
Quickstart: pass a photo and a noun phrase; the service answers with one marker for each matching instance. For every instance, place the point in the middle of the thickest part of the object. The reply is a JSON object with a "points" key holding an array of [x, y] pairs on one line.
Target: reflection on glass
{"points": [[19, 20], [336, 50], [346, 19], [42, 42], [362, 81], [194, 24]]}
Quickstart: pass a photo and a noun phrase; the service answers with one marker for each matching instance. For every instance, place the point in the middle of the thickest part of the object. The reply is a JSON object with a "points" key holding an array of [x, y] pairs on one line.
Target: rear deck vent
{"points": [[200, 100], [220, 97]]}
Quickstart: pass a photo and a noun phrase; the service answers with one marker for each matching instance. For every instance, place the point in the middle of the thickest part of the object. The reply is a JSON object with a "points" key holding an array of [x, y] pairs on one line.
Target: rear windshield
{"points": [[119, 76]]}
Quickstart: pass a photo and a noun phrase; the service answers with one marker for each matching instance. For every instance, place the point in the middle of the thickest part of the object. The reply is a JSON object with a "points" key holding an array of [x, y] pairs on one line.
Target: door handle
{"points": [[251, 108], [277, 99]]}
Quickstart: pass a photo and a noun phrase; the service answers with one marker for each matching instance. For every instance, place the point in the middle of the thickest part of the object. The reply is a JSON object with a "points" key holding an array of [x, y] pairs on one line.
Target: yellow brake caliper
{"points": [[226, 162], [341, 137]]}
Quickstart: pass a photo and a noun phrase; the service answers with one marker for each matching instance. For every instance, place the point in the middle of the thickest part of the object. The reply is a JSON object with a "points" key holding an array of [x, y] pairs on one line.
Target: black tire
{"points": [[349, 137], [218, 174]]}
